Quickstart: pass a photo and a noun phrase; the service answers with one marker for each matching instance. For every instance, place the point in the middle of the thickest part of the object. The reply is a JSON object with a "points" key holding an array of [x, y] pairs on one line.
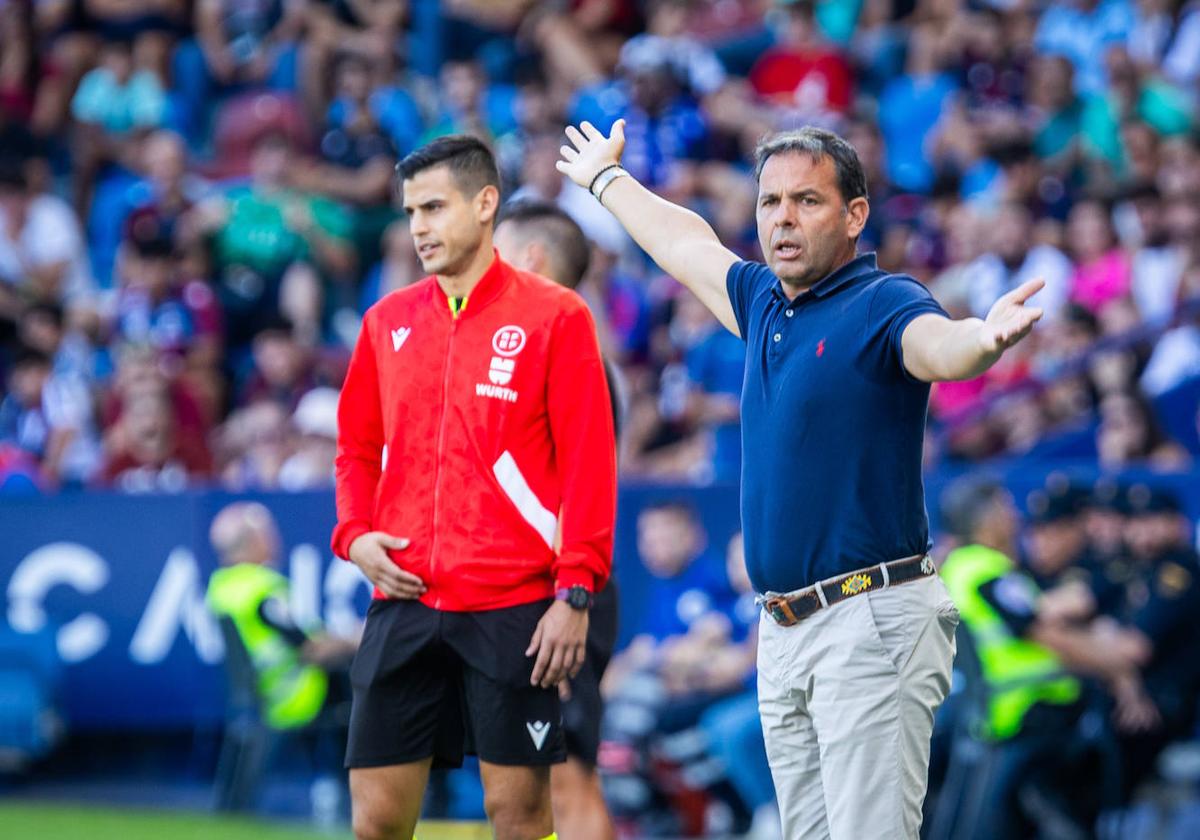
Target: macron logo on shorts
{"points": [[400, 336], [538, 730]]}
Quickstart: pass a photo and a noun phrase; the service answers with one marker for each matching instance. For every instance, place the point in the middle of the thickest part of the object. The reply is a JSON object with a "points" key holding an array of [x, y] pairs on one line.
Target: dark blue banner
{"points": [[121, 579]]}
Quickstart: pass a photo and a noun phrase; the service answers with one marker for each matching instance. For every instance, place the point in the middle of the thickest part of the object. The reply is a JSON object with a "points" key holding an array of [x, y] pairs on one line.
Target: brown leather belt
{"points": [[793, 607]]}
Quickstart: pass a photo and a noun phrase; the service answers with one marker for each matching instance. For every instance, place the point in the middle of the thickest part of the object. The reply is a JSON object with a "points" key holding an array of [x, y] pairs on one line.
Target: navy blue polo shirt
{"points": [[832, 423]]}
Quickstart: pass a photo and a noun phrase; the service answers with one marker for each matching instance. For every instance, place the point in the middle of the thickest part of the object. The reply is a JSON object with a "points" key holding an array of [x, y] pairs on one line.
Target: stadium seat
{"points": [[247, 741], [30, 678], [971, 758]]}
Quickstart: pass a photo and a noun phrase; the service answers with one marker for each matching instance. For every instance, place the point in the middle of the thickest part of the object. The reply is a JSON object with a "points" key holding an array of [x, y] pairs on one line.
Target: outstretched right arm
{"points": [[683, 244]]}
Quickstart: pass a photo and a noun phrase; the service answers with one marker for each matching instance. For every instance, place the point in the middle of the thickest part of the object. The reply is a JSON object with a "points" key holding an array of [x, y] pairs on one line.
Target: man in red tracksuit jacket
{"points": [[476, 488]]}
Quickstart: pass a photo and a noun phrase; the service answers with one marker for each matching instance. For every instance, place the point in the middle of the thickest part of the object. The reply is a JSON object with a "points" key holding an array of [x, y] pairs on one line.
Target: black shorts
{"points": [[583, 712], [441, 684]]}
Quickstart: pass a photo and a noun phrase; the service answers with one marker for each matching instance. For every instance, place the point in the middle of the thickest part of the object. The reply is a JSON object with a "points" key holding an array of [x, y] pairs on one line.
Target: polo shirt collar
{"points": [[860, 266]]}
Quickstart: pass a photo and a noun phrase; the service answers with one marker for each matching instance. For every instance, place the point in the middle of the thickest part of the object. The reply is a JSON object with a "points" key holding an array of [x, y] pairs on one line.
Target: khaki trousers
{"points": [[847, 699]]}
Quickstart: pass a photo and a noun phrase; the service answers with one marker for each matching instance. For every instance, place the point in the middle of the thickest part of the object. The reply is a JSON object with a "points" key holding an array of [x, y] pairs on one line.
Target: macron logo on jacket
{"points": [[400, 336]]}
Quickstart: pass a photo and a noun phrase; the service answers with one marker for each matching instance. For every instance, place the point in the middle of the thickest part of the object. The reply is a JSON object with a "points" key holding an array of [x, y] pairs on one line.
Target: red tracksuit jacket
{"points": [[482, 438]]}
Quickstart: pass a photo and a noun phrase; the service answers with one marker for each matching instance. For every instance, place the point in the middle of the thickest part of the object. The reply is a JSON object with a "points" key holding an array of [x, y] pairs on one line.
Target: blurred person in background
{"points": [[1129, 434], [688, 583], [42, 248], [370, 29], [283, 369], [1081, 31], [468, 106], [310, 466], [146, 452], [1013, 258], [715, 361], [1029, 654], [141, 371], [252, 446], [398, 268], [116, 104], [540, 238], [50, 416], [272, 245], [294, 662], [237, 45], [369, 124], [909, 110], [1101, 267], [1155, 599], [803, 77]]}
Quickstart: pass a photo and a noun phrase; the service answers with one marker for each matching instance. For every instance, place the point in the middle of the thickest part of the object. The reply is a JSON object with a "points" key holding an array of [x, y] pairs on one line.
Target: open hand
{"points": [[590, 152], [559, 642], [1009, 319], [369, 553]]}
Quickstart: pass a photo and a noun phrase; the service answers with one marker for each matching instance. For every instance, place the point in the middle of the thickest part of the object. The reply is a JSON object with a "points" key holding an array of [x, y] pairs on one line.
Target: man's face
{"points": [[270, 163], [1001, 519], [448, 228], [165, 158], [1011, 234], [668, 541], [804, 226], [1054, 546], [1143, 537]]}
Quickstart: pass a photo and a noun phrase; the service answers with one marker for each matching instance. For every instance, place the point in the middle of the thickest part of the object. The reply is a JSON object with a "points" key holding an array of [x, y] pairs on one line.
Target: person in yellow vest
{"points": [[1033, 701], [292, 662]]}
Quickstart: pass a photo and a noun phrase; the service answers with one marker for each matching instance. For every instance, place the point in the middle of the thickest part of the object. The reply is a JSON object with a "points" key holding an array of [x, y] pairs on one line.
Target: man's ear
{"points": [[538, 259], [487, 203], [857, 212]]}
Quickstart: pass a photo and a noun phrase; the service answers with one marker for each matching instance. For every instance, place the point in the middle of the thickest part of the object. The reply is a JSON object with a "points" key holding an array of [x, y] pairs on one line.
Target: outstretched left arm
{"points": [[937, 349]]}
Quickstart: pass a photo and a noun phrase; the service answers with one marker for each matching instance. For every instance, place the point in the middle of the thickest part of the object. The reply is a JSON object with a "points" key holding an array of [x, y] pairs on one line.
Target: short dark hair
{"points": [[51, 311], [27, 356], [965, 502], [470, 161], [12, 173], [552, 226], [817, 143]]}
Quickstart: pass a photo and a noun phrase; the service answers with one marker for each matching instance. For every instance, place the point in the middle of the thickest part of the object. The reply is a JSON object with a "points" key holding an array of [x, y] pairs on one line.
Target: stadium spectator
{"points": [[803, 77], [294, 661], [283, 368], [42, 248], [49, 416], [252, 446], [236, 45], [1130, 434], [688, 582], [398, 268], [1011, 261], [268, 243], [310, 466], [147, 453]]}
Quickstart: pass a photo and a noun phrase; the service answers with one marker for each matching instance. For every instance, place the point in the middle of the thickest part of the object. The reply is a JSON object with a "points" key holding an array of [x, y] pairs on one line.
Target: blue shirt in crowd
{"points": [[716, 365], [832, 423]]}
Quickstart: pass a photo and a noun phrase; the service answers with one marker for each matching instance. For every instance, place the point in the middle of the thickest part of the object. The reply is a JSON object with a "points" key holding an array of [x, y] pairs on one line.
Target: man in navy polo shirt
{"points": [[857, 635]]}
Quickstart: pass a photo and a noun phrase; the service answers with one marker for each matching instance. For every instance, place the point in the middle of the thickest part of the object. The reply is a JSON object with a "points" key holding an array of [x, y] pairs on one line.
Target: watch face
{"points": [[579, 598]]}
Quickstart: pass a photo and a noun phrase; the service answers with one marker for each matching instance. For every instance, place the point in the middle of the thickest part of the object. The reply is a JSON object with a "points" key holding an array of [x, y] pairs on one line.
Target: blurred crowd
{"points": [[197, 204]]}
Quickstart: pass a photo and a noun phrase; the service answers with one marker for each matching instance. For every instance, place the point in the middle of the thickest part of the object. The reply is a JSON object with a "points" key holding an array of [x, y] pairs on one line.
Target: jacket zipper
{"points": [[438, 455]]}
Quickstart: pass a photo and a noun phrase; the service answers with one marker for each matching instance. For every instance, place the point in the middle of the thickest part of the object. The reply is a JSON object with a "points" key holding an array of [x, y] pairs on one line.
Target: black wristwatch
{"points": [[577, 597]]}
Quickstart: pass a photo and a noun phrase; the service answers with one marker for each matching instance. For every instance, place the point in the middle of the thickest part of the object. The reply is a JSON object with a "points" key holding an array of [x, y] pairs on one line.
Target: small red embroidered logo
{"points": [[821, 347]]}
